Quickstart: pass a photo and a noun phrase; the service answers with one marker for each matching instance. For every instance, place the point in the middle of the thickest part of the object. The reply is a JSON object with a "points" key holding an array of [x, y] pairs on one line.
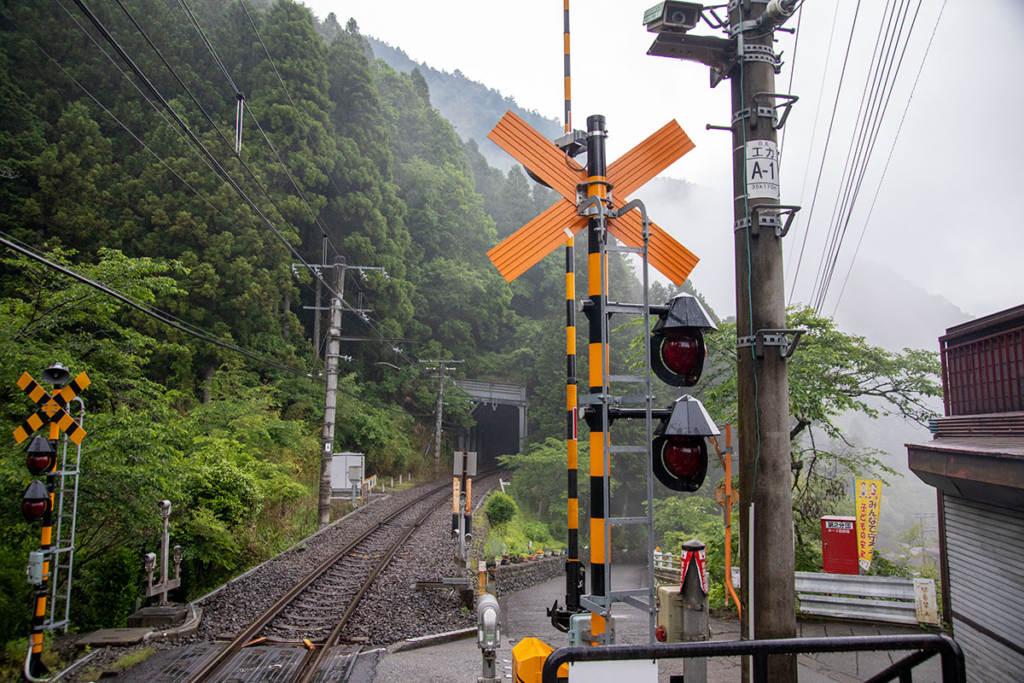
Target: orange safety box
{"points": [[528, 657]]}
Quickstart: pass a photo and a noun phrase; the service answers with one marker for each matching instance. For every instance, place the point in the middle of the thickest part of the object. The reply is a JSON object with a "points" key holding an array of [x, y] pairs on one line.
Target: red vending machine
{"points": [[839, 545]]}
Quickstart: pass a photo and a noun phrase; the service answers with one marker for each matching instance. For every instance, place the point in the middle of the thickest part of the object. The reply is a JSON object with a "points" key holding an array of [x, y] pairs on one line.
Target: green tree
{"points": [[831, 374]]}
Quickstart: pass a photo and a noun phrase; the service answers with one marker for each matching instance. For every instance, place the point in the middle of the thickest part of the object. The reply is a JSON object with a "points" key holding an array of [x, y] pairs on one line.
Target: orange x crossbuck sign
{"points": [[538, 238]]}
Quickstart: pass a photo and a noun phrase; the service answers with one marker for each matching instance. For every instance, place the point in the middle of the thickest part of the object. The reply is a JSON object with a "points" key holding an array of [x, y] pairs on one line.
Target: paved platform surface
{"points": [[524, 615]]}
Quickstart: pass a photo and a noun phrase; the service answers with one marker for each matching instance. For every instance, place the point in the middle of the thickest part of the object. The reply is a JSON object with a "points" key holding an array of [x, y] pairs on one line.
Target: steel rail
{"points": [[311, 663], [235, 646]]}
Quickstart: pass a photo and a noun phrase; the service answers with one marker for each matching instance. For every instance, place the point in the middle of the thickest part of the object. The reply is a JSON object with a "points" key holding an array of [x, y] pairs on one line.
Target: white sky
{"points": [[946, 217]]}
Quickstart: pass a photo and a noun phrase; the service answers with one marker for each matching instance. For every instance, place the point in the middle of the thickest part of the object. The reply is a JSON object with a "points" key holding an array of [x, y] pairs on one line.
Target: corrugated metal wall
{"points": [[985, 553], [984, 375]]}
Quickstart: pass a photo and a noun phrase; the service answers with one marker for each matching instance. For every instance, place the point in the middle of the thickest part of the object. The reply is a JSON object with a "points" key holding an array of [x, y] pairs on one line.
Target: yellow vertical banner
{"points": [[869, 502]]}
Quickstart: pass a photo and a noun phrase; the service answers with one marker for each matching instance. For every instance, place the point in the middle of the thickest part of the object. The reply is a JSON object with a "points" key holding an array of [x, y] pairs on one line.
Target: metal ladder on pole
{"points": [[606, 400], [62, 549]]}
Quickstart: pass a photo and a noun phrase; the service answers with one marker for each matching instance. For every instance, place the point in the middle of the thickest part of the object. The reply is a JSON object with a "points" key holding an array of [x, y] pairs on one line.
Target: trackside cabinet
{"points": [[839, 545]]}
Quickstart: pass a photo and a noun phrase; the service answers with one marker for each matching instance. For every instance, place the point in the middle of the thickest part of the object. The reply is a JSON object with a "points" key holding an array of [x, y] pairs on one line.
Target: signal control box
{"points": [[670, 614], [36, 560]]}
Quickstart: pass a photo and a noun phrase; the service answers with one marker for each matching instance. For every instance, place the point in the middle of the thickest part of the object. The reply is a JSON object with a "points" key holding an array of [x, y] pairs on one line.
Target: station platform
{"points": [[523, 615]]}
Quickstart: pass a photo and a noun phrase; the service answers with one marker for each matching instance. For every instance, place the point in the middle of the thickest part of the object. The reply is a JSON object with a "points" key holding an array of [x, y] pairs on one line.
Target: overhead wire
{"points": [[797, 223], [202, 109], [224, 174], [371, 325], [866, 101], [881, 181], [194, 20], [157, 314], [152, 312], [892, 73], [828, 139]]}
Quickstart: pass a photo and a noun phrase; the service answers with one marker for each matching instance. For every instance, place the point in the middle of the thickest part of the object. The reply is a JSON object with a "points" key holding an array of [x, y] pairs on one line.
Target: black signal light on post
{"points": [[677, 341], [40, 456], [36, 501], [679, 449]]}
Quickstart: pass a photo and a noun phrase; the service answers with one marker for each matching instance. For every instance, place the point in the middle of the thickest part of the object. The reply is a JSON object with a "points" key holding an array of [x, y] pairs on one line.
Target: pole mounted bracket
{"points": [[761, 218], [592, 206], [772, 337], [787, 104]]}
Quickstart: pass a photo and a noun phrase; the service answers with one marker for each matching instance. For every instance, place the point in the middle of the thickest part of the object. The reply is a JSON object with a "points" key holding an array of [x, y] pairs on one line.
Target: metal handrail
{"points": [[951, 656]]}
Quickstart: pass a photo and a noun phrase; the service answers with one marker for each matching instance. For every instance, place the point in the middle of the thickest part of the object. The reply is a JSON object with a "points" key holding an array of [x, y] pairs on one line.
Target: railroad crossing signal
{"points": [[545, 233], [51, 408]]}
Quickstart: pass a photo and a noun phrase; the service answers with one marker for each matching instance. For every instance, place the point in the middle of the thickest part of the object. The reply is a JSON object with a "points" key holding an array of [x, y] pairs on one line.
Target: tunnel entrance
{"points": [[500, 412]]}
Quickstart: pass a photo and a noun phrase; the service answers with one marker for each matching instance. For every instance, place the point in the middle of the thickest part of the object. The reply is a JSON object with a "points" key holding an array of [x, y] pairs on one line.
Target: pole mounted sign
{"points": [[548, 231], [51, 408]]}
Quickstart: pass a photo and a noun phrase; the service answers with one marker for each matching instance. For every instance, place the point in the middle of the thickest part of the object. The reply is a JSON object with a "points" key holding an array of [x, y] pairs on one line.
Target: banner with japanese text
{"points": [[869, 502]]}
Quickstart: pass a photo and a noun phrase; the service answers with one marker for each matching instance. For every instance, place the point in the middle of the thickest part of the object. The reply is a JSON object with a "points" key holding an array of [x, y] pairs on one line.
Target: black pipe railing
{"points": [[925, 647]]}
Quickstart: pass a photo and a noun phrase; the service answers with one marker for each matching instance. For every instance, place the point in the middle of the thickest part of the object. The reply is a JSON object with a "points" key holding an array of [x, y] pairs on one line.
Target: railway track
{"points": [[303, 628]]}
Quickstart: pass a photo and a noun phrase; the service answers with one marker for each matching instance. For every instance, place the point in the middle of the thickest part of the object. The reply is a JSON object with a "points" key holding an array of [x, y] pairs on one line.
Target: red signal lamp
{"points": [[40, 456], [679, 452], [680, 462], [677, 341], [661, 633], [36, 501]]}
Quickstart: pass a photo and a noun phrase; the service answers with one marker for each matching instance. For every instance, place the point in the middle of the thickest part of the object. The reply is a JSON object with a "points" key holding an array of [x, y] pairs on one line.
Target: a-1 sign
{"points": [[762, 169], [545, 233]]}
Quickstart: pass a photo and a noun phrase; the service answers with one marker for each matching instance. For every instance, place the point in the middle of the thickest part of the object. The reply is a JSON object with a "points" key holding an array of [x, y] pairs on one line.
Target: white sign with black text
{"points": [[762, 169]]}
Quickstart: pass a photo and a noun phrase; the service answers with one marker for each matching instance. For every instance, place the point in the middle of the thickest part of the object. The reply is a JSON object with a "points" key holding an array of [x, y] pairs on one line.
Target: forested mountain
{"points": [[119, 163], [471, 107]]}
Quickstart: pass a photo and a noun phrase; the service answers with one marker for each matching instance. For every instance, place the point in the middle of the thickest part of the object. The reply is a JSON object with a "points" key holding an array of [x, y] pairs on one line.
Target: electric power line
{"points": [[828, 139], [867, 221], [150, 311]]}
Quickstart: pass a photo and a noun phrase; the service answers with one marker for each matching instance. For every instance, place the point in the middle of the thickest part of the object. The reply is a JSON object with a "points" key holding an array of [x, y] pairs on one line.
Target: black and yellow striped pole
{"points": [[568, 82], [573, 575], [36, 668], [597, 187]]}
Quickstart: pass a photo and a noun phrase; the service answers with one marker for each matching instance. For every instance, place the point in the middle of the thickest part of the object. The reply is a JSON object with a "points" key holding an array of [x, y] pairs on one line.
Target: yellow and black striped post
{"points": [[597, 187], [568, 82], [573, 575], [35, 665]]}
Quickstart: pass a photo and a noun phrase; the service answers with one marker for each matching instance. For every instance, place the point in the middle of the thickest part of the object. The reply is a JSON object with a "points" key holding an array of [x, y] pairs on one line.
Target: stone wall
{"points": [[509, 578]]}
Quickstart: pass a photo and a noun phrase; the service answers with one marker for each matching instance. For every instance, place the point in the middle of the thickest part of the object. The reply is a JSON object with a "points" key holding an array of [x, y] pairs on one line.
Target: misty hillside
{"points": [[892, 312], [471, 107]]}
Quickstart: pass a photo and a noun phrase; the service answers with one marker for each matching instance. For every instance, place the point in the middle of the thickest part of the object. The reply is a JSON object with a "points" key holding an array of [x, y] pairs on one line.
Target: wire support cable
{"points": [[798, 222], [883, 38]]}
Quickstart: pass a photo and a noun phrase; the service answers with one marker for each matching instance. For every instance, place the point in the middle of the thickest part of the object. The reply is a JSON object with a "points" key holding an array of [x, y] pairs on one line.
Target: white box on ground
{"points": [[632, 670], [346, 469], [467, 459]]}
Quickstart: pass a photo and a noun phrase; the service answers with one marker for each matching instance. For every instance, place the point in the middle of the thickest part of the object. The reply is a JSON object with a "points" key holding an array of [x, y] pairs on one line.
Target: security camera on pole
{"points": [[746, 56]]}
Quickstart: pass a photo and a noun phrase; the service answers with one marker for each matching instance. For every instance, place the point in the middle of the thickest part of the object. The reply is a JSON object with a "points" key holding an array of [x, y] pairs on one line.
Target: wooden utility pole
{"points": [[331, 400], [437, 423], [441, 365], [747, 58], [764, 446]]}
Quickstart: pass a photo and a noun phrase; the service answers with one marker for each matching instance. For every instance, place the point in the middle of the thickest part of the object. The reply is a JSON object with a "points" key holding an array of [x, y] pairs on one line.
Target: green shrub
{"points": [[500, 509], [536, 531]]}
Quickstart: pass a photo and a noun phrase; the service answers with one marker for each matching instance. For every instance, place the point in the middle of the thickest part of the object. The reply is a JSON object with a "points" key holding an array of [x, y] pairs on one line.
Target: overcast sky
{"points": [[945, 217]]}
